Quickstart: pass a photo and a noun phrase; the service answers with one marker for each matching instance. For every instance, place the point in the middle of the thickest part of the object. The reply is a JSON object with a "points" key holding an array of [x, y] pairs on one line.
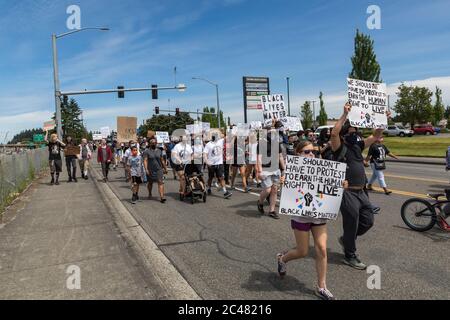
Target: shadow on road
{"points": [[270, 281], [435, 234]]}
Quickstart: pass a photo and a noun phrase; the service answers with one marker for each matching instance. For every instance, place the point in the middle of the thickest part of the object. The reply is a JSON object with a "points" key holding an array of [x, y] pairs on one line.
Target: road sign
{"points": [[38, 138], [254, 88]]}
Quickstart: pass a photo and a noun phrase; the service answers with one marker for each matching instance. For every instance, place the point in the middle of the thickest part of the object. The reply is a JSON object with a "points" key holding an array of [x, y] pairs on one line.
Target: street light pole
{"points": [[289, 98], [56, 77], [217, 96]]}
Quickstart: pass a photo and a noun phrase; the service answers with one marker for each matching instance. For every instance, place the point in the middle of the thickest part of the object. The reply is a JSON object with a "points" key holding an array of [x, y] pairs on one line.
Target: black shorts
{"points": [[216, 171], [179, 167], [193, 168], [136, 180]]}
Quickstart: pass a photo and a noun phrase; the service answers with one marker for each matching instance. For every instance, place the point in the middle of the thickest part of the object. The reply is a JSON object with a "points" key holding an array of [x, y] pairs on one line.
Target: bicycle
{"points": [[421, 214]]}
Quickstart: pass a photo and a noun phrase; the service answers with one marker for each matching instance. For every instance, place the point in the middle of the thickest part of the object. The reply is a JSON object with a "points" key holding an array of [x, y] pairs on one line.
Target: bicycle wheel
{"points": [[418, 214]]}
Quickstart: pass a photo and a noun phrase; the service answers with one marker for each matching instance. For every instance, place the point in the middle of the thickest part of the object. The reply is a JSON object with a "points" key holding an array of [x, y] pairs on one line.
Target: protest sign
{"points": [[150, 134], [273, 108], [195, 128], [206, 126], [256, 125], [369, 104], [97, 136], [71, 150], [49, 125], [293, 124], [105, 132], [243, 130], [126, 129], [313, 188], [162, 137]]}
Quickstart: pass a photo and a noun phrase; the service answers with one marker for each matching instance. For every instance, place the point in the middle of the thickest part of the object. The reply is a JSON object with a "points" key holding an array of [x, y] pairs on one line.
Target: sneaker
{"points": [[209, 192], [227, 194], [86, 177], [274, 215], [216, 185], [260, 207], [324, 294], [369, 187], [163, 200], [376, 210], [387, 192], [247, 190], [258, 185], [281, 265], [354, 262], [75, 180], [52, 182], [57, 182], [133, 199]]}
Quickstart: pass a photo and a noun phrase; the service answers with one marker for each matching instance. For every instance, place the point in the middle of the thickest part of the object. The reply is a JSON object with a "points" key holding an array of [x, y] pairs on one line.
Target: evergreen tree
{"points": [[438, 108], [307, 115], [364, 61], [323, 117]]}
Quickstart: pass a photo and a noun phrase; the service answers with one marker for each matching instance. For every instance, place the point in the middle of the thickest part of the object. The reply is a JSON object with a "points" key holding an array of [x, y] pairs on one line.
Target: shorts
{"points": [[216, 171], [304, 226], [55, 165], [272, 179], [136, 180], [156, 176], [179, 167]]}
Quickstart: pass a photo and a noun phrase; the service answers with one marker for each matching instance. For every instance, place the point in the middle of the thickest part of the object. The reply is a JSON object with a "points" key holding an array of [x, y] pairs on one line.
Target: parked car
{"points": [[319, 129], [397, 130], [424, 129]]}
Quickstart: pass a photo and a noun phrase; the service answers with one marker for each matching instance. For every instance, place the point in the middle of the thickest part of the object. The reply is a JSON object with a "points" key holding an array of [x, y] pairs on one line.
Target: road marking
{"points": [[412, 178]]}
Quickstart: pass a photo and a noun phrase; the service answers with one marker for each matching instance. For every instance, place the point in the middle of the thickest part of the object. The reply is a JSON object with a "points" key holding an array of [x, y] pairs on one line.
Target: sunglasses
{"points": [[307, 151]]}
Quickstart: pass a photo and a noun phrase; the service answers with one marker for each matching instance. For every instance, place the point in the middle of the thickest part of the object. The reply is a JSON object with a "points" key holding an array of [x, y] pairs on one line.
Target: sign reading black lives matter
{"points": [[369, 104], [313, 188], [273, 108]]}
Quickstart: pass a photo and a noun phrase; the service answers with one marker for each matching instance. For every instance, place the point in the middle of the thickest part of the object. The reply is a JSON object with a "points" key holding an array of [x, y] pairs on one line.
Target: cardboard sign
{"points": [[273, 108], [49, 125], [313, 188], [71, 150], [105, 132], [126, 129], [293, 124], [150, 134], [97, 137], [162, 137], [369, 104]]}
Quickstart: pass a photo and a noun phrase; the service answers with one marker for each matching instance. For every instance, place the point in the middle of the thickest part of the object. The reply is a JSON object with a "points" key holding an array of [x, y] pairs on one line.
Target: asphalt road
{"points": [[226, 250]]}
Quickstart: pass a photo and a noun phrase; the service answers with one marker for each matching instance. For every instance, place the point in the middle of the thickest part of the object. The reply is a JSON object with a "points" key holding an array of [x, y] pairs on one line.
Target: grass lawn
{"points": [[418, 146]]}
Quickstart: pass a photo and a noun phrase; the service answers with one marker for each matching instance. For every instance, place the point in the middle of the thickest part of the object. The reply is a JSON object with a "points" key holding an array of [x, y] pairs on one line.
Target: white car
{"points": [[319, 129], [398, 131]]}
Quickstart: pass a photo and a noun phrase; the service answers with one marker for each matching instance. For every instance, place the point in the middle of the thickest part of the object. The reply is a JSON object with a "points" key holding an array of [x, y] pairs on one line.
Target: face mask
{"points": [[153, 146], [213, 138], [352, 138]]}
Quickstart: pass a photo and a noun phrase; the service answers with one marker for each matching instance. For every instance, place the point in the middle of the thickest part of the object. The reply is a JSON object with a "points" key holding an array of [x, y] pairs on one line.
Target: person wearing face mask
{"points": [[155, 167], [357, 211], [181, 156], [83, 158], [71, 161], [302, 227], [136, 168], [54, 156], [104, 157]]}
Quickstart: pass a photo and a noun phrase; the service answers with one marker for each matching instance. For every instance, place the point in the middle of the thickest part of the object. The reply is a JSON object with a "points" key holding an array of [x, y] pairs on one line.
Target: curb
{"points": [[171, 284], [418, 161]]}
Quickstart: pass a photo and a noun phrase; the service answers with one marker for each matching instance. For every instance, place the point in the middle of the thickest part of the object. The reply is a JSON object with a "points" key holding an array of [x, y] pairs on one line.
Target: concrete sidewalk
{"points": [[51, 228]]}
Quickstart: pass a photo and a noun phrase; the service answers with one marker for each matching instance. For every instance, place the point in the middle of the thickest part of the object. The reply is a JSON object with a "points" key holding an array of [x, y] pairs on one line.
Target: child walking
{"points": [[135, 166]]}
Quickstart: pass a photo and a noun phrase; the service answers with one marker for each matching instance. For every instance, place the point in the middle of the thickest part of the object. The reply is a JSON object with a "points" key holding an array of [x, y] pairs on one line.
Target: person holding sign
{"points": [[302, 226], [54, 156], [357, 211], [71, 159]]}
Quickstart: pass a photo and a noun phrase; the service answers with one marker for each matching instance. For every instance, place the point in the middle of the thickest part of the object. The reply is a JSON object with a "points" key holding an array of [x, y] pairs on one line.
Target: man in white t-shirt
{"points": [[213, 156], [181, 156]]}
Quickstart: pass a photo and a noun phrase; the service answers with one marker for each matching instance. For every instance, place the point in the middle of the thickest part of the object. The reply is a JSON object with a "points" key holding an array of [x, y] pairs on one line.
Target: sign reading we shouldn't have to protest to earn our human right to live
{"points": [[313, 188], [369, 104]]}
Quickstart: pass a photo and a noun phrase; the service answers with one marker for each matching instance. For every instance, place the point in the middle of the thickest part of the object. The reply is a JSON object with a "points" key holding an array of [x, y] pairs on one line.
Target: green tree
{"points": [[212, 118], [323, 117], [438, 108], [167, 123], [72, 125], [414, 104], [307, 115], [364, 61]]}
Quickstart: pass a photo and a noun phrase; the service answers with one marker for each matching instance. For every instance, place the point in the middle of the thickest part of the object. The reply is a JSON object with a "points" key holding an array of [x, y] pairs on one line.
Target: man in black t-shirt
{"points": [[377, 155], [54, 156], [357, 211]]}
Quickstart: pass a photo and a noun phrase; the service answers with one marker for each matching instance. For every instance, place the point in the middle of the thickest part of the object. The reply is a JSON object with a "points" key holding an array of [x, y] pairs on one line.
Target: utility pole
{"points": [[289, 98]]}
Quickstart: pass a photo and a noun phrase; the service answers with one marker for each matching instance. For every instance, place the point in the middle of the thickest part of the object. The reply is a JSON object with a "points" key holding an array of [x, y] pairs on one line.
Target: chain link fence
{"points": [[17, 170]]}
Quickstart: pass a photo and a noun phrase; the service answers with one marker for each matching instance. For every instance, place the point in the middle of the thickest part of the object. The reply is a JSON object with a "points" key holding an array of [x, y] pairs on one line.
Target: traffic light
{"points": [[177, 111], [156, 110], [154, 92], [65, 100], [121, 94]]}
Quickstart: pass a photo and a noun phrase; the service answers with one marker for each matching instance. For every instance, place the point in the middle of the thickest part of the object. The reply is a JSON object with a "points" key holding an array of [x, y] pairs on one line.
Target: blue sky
{"points": [[222, 40]]}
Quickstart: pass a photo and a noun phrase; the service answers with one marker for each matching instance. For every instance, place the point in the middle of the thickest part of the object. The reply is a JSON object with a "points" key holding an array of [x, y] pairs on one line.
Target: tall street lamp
{"points": [[217, 95], [56, 76], [288, 96]]}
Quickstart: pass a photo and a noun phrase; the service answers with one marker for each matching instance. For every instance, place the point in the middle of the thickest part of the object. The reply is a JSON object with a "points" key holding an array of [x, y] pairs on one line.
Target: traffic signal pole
{"points": [[180, 87]]}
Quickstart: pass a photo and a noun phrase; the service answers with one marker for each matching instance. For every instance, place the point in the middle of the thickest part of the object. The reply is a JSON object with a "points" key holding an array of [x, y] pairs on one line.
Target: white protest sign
{"points": [[273, 108], [293, 124], [313, 188], [97, 136], [206, 126], [162, 137], [369, 104], [194, 128], [105, 132], [256, 125], [243, 130]]}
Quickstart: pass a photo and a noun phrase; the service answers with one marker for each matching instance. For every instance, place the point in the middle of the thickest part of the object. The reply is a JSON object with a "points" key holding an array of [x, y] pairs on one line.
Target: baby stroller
{"points": [[195, 187]]}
